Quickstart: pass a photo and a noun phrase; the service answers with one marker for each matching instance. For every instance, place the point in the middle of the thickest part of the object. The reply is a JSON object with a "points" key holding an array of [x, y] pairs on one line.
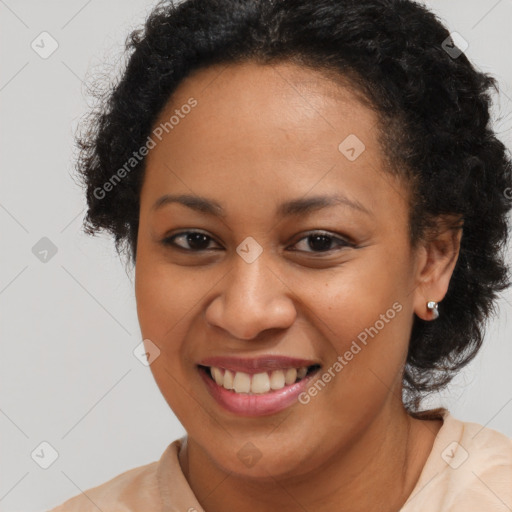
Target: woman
{"points": [[316, 208]]}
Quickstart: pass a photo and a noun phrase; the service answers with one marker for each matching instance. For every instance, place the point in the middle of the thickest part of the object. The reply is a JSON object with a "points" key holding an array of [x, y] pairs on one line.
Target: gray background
{"points": [[69, 325]]}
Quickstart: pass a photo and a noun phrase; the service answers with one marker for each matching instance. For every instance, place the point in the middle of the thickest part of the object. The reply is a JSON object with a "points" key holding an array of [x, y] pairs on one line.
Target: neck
{"points": [[377, 472]]}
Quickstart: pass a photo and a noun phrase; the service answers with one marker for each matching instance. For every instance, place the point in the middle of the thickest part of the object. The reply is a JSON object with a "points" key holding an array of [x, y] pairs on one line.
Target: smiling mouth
{"points": [[257, 383]]}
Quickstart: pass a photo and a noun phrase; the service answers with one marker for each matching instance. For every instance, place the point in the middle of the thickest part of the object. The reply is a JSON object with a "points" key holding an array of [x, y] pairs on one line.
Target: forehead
{"points": [[264, 128], [284, 96]]}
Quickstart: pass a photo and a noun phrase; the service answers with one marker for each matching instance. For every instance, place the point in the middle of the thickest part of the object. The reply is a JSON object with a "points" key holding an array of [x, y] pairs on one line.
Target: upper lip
{"points": [[257, 364]]}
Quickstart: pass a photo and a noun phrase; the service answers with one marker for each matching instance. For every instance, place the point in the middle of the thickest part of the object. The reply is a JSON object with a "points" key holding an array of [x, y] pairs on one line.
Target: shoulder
{"points": [[486, 462], [478, 451], [469, 468], [126, 492], [488, 446]]}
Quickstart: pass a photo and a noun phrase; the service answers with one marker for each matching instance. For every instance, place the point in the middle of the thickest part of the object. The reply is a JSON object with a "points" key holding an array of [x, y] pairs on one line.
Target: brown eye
{"points": [[194, 241], [323, 242]]}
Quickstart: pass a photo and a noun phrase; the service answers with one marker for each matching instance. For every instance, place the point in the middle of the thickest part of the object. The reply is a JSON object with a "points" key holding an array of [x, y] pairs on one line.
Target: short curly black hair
{"points": [[434, 112]]}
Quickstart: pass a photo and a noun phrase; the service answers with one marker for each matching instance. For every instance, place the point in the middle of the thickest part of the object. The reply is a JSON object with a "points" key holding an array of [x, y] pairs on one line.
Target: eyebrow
{"points": [[290, 208]]}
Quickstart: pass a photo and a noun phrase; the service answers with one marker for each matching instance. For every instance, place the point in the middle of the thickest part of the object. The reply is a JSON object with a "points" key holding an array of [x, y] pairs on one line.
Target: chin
{"points": [[264, 459]]}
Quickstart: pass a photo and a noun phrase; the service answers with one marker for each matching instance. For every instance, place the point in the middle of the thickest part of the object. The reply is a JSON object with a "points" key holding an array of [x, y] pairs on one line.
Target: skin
{"points": [[259, 136]]}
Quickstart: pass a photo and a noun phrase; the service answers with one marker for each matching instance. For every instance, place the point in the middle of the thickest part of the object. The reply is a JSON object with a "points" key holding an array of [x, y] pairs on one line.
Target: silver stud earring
{"points": [[432, 306]]}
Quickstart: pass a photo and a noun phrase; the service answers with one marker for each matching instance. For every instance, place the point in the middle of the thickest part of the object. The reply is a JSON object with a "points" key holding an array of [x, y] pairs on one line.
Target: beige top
{"points": [[469, 469]]}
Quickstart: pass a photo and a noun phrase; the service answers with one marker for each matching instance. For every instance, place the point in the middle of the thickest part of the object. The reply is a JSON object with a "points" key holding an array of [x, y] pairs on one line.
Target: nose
{"points": [[251, 298]]}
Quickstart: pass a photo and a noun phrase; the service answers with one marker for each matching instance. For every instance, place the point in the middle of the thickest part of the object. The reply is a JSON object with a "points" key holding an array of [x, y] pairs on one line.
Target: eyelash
{"points": [[342, 243]]}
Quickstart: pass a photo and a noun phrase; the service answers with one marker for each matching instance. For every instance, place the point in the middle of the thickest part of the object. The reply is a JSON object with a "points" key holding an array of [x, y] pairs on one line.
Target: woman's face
{"points": [[307, 266]]}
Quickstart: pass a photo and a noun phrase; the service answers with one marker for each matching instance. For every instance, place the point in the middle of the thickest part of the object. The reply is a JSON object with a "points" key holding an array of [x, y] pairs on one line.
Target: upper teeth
{"points": [[241, 382]]}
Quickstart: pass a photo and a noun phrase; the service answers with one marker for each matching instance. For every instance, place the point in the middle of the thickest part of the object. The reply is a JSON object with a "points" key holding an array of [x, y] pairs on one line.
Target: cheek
{"points": [[363, 314], [166, 303], [167, 297], [354, 296]]}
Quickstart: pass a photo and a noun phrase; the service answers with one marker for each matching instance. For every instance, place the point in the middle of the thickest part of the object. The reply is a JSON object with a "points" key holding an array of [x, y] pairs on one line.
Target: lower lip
{"points": [[264, 404]]}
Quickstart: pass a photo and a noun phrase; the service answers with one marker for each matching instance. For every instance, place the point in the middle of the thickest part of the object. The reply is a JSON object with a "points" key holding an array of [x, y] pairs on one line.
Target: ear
{"points": [[436, 259]]}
